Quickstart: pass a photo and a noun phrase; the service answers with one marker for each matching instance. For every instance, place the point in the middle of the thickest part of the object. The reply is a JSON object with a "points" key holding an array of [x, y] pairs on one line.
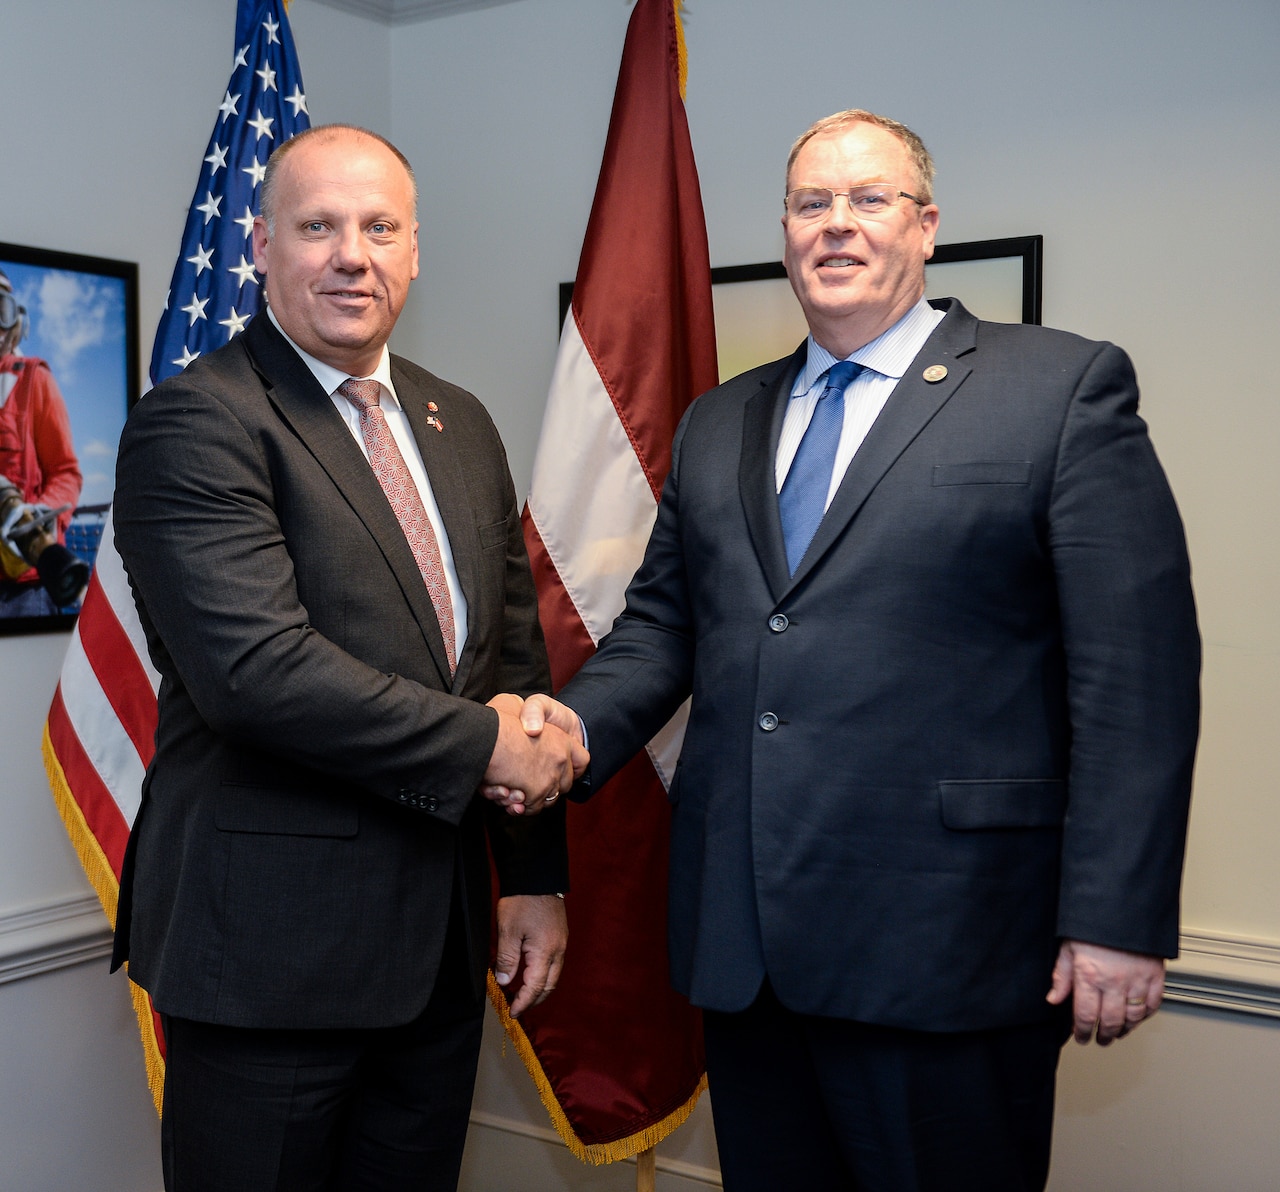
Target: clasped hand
{"points": [[538, 756]]}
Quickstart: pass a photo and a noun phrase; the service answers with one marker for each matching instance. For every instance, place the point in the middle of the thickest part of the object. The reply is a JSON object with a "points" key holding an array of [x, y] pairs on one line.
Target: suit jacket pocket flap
{"points": [[247, 808], [983, 471], [969, 804], [493, 534]]}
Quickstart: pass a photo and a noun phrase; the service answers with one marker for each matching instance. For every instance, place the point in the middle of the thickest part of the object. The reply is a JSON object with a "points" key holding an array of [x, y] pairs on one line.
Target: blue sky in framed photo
{"points": [[78, 325]]}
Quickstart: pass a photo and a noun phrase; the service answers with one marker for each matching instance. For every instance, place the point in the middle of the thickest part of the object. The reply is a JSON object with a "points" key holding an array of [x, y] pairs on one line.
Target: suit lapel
{"points": [[912, 405], [762, 418], [304, 405]]}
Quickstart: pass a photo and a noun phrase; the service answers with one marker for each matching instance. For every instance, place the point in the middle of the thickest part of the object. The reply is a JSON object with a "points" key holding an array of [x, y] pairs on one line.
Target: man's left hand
{"points": [[1112, 992], [533, 932]]}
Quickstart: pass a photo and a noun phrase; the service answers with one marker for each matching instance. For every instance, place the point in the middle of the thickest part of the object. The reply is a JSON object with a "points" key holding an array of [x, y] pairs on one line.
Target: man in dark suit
{"points": [[935, 617], [332, 579]]}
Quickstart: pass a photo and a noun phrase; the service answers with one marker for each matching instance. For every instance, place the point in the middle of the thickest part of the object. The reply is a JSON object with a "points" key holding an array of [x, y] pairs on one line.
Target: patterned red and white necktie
{"points": [[406, 502]]}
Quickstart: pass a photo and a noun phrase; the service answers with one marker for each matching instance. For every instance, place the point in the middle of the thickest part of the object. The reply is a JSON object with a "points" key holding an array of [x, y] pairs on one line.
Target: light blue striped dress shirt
{"points": [[885, 360]]}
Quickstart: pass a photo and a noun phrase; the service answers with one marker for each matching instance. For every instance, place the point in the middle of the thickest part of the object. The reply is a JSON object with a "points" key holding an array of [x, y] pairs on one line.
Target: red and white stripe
{"points": [[592, 505], [102, 722], [98, 741]]}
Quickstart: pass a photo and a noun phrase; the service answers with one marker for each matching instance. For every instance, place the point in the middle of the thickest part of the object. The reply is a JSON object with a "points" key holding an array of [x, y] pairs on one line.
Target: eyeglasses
{"points": [[873, 201], [11, 311]]}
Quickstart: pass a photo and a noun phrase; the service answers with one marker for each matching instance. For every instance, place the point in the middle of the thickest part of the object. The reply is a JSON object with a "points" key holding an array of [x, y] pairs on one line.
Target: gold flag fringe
{"points": [[103, 880], [96, 866], [151, 1056], [597, 1153], [682, 53]]}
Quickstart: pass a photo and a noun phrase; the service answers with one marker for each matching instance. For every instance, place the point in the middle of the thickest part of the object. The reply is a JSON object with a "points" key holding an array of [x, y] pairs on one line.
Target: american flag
{"points": [[99, 736], [215, 291]]}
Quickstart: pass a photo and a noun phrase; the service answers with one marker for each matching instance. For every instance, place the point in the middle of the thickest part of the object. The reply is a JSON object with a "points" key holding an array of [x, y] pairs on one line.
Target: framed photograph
{"points": [[68, 377], [758, 318]]}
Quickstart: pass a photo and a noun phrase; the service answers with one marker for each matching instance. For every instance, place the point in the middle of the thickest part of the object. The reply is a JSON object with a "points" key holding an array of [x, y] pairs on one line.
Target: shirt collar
{"points": [[330, 378], [890, 354]]}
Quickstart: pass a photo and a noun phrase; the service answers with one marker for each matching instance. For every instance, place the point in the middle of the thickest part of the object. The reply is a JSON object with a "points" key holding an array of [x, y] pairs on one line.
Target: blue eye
{"points": [[808, 203], [871, 203]]}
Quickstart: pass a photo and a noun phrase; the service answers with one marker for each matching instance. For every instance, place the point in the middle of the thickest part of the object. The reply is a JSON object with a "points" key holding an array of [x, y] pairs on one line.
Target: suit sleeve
{"points": [[1133, 661], [197, 527]]}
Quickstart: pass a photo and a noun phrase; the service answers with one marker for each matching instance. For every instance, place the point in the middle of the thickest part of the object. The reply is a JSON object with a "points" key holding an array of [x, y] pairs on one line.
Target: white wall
{"points": [[1100, 125]]}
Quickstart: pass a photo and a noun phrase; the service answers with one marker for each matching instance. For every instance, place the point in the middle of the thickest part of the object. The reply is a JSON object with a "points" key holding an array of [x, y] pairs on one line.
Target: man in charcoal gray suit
{"points": [[325, 551]]}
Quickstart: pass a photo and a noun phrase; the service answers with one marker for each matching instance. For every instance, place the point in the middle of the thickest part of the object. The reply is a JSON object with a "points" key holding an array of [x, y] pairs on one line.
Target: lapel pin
{"points": [[436, 423], [935, 373], [435, 409]]}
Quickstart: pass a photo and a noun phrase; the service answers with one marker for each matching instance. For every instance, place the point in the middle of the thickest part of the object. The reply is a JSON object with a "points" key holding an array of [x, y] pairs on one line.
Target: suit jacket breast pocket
{"points": [[493, 535], [983, 471]]}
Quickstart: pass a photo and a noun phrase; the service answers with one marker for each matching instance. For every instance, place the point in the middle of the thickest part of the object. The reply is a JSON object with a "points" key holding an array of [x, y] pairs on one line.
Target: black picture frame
{"points": [[1012, 265], [82, 319]]}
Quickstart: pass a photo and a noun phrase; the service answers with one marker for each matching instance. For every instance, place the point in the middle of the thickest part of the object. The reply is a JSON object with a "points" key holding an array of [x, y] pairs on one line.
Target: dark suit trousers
{"points": [[379, 1110], [804, 1103]]}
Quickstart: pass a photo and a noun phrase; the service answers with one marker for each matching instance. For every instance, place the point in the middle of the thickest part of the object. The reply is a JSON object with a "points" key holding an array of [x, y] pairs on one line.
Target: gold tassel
{"points": [[151, 1056], [597, 1153], [103, 880], [96, 866], [682, 53]]}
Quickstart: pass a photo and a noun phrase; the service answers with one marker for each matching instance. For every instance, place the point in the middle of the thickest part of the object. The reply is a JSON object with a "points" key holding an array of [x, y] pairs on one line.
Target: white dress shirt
{"points": [[330, 378]]}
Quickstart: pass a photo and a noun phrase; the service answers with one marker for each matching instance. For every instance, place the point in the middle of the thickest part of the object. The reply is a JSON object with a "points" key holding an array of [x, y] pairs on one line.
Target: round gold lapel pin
{"points": [[935, 373]]}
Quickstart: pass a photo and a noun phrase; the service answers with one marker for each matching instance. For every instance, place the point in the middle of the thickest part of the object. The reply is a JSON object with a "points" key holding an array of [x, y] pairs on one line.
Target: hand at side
{"points": [[533, 932], [1112, 992]]}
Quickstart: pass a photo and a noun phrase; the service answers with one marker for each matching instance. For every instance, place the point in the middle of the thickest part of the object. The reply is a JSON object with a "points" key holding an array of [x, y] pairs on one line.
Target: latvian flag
{"points": [[617, 1055]]}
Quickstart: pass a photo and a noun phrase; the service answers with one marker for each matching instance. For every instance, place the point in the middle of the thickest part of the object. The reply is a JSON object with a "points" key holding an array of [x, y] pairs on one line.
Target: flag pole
{"points": [[646, 1170]]}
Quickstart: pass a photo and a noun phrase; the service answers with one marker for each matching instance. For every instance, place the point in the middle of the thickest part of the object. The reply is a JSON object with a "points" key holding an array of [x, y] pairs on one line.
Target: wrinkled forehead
{"points": [[856, 152], [344, 155]]}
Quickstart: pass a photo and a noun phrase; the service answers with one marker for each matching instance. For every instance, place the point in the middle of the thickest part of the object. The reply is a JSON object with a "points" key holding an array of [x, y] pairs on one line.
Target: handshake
{"points": [[538, 756]]}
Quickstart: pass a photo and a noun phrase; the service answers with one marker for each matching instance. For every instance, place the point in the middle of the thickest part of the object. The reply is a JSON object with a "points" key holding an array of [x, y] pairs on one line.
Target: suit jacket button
{"points": [[778, 622], [432, 803], [768, 722], [405, 796]]}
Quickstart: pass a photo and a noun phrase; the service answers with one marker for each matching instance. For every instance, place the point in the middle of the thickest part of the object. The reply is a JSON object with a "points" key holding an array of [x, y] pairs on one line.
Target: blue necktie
{"points": [[803, 498]]}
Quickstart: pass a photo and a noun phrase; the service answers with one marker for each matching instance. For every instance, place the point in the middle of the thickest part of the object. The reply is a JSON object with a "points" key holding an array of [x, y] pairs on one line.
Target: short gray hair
{"points": [[921, 160]]}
